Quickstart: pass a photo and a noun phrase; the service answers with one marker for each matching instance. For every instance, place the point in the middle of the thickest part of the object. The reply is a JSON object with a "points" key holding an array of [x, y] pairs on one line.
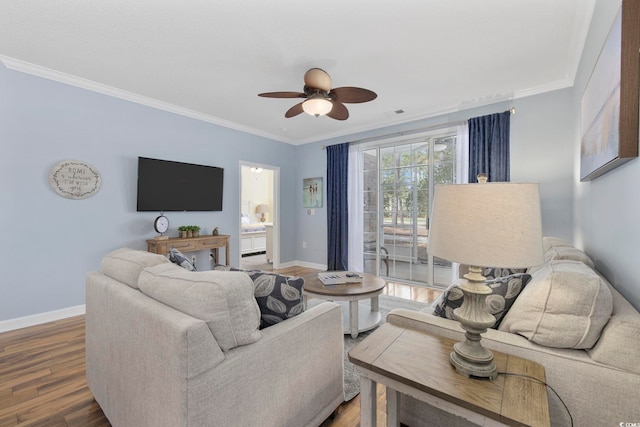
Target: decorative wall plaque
{"points": [[312, 195], [74, 179]]}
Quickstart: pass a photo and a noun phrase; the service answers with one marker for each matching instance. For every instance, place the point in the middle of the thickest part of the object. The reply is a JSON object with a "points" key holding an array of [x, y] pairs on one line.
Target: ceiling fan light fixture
{"points": [[317, 106]]}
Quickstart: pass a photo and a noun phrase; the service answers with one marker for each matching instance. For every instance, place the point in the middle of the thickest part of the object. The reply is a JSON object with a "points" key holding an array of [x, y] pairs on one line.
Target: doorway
{"points": [[399, 178], [259, 216]]}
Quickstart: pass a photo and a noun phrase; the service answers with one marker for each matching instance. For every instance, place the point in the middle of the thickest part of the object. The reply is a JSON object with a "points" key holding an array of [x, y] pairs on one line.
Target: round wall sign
{"points": [[74, 179]]}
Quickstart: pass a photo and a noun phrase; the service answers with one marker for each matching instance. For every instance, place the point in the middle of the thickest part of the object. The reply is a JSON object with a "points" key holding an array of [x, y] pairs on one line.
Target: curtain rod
{"points": [[512, 110]]}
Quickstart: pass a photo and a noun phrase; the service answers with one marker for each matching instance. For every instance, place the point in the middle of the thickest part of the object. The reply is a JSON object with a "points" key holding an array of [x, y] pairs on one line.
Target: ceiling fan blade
{"points": [[283, 95], [339, 111], [352, 95], [294, 111]]}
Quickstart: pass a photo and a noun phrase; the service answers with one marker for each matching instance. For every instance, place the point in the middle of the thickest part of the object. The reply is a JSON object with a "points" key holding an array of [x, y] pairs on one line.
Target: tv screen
{"points": [[164, 185]]}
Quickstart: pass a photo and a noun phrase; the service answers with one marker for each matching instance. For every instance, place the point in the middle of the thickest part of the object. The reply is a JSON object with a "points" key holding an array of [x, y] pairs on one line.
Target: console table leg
{"points": [[393, 408], [367, 402]]}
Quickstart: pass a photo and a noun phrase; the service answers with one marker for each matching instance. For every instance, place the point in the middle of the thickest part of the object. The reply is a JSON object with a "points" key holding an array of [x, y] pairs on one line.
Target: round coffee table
{"points": [[348, 295]]}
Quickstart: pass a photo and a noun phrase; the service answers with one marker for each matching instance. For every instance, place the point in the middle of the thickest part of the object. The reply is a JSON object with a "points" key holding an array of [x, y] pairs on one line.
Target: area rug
{"points": [[386, 304]]}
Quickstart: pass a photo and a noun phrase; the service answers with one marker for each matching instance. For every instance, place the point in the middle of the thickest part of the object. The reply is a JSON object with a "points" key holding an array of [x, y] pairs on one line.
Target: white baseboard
{"points": [[305, 264], [38, 319]]}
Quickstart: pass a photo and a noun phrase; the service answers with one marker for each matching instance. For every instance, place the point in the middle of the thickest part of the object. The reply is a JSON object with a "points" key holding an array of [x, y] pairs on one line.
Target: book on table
{"points": [[339, 278]]}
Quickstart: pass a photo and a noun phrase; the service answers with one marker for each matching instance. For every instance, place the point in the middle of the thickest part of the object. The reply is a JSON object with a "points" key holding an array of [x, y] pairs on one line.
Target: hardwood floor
{"points": [[42, 372], [42, 377]]}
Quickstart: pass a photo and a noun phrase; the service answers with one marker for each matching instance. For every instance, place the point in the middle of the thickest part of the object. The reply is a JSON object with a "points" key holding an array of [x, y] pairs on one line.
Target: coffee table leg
{"points": [[353, 318], [374, 304], [367, 402]]}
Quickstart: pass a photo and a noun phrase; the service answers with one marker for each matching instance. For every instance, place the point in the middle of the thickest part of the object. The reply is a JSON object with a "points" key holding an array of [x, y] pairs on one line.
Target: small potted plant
{"points": [[195, 231], [183, 231]]}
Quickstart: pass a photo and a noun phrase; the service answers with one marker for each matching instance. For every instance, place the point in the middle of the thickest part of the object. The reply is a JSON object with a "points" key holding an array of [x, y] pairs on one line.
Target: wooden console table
{"points": [[414, 363], [192, 244]]}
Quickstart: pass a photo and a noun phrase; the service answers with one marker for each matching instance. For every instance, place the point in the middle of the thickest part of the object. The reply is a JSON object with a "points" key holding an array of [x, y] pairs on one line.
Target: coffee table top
{"points": [[369, 284]]}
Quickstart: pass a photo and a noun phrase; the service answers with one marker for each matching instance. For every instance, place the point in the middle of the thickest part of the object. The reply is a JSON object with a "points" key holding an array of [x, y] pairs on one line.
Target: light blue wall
{"points": [[542, 132], [49, 243], [607, 209]]}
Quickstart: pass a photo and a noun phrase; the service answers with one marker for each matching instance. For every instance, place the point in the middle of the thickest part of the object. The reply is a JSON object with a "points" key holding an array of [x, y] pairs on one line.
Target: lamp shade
{"points": [[487, 225], [262, 208]]}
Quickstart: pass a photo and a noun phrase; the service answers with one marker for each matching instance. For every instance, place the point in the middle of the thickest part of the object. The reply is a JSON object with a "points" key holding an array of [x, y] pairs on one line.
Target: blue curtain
{"points": [[337, 207], [489, 147]]}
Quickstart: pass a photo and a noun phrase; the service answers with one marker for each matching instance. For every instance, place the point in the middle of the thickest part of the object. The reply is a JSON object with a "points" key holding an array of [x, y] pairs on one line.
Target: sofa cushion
{"points": [[125, 264], [619, 345], [565, 305], [504, 291], [559, 253], [279, 297], [177, 257], [552, 242], [222, 299], [567, 253]]}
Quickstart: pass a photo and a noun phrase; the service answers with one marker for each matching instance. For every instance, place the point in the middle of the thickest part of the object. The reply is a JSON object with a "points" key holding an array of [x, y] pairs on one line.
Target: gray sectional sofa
{"points": [[169, 347], [573, 322]]}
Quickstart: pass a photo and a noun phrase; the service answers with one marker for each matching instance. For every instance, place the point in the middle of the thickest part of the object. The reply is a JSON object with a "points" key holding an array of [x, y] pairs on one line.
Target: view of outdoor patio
{"points": [[398, 186]]}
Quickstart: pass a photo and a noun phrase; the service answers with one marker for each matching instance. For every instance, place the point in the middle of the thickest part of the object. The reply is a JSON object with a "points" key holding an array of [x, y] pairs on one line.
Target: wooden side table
{"points": [[414, 363], [192, 244]]}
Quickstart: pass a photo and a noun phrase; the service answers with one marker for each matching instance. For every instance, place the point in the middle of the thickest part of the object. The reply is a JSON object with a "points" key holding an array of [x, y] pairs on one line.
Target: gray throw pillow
{"points": [[504, 291], [279, 297], [176, 257]]}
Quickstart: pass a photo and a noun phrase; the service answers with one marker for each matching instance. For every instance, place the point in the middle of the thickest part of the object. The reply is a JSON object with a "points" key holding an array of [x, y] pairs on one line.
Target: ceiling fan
{"points": [[321, 99]]}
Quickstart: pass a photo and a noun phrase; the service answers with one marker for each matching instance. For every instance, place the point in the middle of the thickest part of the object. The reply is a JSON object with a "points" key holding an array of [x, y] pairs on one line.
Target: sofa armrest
{"points": [[293, 376]]}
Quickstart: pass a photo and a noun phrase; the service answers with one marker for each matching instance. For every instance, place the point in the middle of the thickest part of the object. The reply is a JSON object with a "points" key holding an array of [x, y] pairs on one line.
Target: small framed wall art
{"points": [[74, 179], [609, 125], [312, 194]]}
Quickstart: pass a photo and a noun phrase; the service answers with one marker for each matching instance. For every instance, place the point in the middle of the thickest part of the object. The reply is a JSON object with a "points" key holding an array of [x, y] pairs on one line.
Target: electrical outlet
{"points": [[304, 245], [211, 255], [193, 260]]}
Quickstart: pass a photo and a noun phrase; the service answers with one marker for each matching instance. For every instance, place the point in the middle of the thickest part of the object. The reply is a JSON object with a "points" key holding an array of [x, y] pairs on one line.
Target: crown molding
{"points": [[49, 74]]}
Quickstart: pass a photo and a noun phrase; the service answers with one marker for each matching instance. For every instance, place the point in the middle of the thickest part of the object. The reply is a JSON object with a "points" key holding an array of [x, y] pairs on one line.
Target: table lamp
{"points": [[483, 225], [262, 209]]}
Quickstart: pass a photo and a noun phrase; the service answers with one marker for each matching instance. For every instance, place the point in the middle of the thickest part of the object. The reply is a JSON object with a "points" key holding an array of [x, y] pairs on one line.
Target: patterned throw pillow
{"points": [[504, 291], [176, 257], [279, 297]]}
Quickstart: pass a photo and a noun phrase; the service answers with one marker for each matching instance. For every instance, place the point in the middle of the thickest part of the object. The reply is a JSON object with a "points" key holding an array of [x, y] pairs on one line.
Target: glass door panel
{"points": [[398, 186], [373, 254]]}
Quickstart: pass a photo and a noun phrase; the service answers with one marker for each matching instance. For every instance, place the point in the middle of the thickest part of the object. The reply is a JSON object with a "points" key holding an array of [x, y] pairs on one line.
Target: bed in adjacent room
{"points": [[253, 234]]}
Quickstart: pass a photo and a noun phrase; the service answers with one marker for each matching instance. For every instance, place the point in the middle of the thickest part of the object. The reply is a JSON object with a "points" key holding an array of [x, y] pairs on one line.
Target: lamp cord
{"points": [[546, 385]]}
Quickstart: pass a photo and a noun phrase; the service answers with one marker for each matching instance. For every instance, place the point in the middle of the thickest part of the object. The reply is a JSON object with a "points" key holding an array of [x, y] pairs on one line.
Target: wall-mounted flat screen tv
{"points": [[165, 185]]}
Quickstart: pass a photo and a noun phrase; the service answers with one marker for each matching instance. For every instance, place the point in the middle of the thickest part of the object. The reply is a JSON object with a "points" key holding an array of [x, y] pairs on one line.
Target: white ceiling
{"points": [[210, 58]]}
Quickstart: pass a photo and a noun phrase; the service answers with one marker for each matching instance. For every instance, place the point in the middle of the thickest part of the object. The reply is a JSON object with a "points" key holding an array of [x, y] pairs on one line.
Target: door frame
{"points": [[275, 184]]}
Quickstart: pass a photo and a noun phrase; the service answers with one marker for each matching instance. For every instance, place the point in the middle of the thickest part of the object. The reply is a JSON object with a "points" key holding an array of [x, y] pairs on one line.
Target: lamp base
{"points": [[470, 358], [473, 367]]}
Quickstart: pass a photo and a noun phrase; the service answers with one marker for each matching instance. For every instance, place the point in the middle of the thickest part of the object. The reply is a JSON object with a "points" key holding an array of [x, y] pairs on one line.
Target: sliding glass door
{"points": [[399, 178]]}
